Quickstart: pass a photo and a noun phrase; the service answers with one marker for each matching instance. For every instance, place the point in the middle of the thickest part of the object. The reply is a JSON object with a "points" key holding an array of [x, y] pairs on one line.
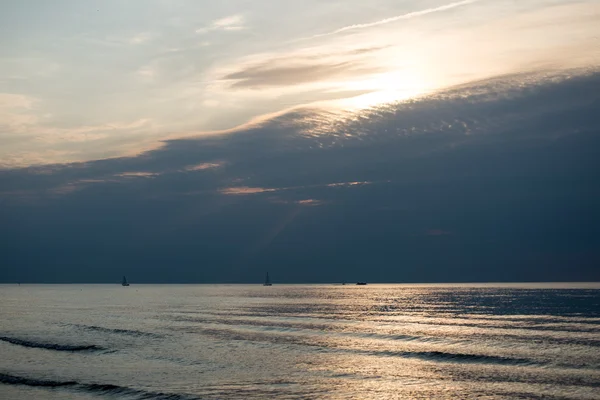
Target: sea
{"points": [[379, 341]]}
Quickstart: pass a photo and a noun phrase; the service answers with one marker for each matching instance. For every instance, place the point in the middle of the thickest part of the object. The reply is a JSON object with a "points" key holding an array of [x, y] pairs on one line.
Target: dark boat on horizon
{"points": [[361, 283], [267, 281]]}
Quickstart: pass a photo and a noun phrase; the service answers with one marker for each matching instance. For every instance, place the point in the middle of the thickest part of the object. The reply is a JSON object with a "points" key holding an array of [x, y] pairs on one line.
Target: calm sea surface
{"points": [[300, 341]]}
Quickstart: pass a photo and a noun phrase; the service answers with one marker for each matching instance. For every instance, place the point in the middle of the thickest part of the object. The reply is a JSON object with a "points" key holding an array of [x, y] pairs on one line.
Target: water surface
{"points": [[300, 341]]}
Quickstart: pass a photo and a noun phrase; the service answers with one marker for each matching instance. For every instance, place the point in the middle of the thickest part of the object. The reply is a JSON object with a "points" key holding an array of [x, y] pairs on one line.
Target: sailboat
{"points": [[267, 281], [124, 281]]}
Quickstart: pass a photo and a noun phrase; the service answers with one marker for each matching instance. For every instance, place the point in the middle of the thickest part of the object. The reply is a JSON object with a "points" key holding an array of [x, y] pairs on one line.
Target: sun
{"points": [[385, 88]]}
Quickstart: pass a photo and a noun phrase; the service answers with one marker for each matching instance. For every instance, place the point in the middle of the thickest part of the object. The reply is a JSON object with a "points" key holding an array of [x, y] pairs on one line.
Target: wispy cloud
{"points": [[409, 15], [243, 190], [270, 74], [302, 66], [309, 202], [348, 184], [230, 23], [202, 166], [37, 141], [138, 174]]}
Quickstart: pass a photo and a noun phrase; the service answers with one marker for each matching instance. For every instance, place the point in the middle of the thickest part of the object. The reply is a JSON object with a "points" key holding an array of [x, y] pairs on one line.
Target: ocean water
{"points": [[300, 341]]}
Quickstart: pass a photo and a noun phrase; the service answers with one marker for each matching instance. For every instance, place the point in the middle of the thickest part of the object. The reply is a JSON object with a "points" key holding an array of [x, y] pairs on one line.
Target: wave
{"points": [[311, 328], [95, 388], [127, 332], [427, 336], [329, 346], [50, 346], [460, 357], [17, 380]]}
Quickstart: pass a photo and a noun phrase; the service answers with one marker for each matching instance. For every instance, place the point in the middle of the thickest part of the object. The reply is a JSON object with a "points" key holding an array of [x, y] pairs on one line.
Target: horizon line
{"points": [[303, 283]]}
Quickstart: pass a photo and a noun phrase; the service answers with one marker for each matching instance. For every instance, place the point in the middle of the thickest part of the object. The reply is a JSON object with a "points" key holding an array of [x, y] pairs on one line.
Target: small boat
{"points": [[124, 281], [267, 281], [361, 283]]}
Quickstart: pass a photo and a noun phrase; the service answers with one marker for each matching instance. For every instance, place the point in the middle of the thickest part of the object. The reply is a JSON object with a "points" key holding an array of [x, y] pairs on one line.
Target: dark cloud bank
{"points": [[496, 181]]}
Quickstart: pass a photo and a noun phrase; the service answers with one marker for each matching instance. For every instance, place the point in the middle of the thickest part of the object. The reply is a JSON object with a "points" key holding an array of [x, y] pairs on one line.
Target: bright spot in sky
{"points": [[386, 88]]}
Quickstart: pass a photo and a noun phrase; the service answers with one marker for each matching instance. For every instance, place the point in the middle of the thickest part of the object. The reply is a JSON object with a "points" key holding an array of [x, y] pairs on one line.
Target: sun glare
{"points": [[385, 88]]}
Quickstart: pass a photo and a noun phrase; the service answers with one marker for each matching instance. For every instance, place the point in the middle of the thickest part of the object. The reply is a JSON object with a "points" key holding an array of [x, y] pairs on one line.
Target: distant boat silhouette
{"points": [[267, 281], [361, 283], [124, 281]]}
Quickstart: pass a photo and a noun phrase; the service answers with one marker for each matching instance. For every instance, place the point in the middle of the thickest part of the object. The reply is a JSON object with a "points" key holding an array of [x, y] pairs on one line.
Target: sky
{"points": [[324, 141]]}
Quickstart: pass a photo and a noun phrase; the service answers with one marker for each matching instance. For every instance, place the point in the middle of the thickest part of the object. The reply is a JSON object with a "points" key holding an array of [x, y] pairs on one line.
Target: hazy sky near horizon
{"points": [[84, 80]]}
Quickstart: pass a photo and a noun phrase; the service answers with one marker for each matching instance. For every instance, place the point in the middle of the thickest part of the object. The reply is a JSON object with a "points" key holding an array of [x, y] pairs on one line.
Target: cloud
{"points": [[290, 72], [396, 18], [309, 202], [477, 160], [243, 190], [80, 133], [137, 174], [189, 89], [203, 166], [230, 23], [299, 77], [347, 184], [38, 142]]}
